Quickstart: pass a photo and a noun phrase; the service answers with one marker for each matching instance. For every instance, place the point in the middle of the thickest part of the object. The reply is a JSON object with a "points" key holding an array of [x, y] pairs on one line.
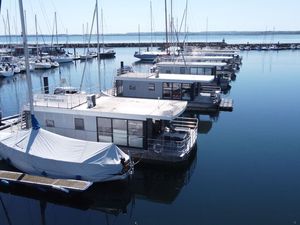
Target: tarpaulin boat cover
{"points": [[40, 152]]}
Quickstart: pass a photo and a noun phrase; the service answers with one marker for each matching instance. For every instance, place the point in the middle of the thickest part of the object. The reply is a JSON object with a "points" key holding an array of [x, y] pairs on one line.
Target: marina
{"points": [[218, 158], [148, 128]]}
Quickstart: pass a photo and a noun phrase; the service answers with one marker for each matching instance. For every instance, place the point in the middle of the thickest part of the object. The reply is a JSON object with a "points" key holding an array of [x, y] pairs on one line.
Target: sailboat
{"points": [[36, 151], [149, 55], [106, 53]]}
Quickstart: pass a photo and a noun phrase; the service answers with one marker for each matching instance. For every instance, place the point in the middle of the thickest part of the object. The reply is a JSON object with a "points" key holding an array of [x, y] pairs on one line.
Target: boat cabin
{"points": [[197, 90], [222, 77]]}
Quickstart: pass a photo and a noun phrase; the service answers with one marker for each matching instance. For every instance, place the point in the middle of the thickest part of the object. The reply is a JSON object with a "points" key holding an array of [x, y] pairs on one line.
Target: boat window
{"points": [[194, 70], [104, 130], [167, 90], [151, 87], [120, 132], [208, 71], [135, 133], [50, 123], [186, 92], [201, 71], [79, 123], [176, 92], [182, 70]]}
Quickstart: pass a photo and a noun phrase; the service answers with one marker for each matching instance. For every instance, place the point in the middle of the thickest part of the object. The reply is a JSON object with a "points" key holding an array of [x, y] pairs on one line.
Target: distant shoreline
{"points": [[190, 33]]}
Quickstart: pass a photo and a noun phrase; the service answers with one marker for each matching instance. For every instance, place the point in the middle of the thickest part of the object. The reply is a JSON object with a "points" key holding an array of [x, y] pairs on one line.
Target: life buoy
{"points": [[157, 148]]}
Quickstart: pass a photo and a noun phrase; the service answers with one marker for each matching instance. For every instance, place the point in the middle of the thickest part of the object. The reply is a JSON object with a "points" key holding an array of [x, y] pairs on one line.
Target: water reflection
{"points": [[102, 202]]}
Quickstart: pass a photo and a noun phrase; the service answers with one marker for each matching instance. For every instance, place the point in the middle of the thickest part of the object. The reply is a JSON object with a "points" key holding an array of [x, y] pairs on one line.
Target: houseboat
{"points": [[214, 52], [222, 77], [200, 92], [229, 60], [150, 130]]}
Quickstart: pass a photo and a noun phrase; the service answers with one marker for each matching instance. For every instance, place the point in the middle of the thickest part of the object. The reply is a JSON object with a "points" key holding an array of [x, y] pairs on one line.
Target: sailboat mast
{"points": [[98, 44], [56, 28], [139, 31], [36, 36], [29, 81], [102, 28], [151, 23], [8, 27], [166, 21], [171, 26]]}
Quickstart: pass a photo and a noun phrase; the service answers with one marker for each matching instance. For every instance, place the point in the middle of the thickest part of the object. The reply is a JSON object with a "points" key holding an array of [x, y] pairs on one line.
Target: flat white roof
{"points": [[166, 77], [207, 57], [183, 77], [123, 108], [183, 64]]}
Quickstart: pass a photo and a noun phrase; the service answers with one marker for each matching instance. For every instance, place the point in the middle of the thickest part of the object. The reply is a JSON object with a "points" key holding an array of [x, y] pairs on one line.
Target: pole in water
{"points": [[46, 85]]}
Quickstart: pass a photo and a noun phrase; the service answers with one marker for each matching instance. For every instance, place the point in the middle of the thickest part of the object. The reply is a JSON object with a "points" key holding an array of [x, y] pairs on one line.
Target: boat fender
{"points": [[5, 182], [157, 148]]}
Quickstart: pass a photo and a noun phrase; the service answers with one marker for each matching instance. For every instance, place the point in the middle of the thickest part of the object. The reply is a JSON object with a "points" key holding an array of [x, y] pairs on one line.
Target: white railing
{"points": [[67, 101]]}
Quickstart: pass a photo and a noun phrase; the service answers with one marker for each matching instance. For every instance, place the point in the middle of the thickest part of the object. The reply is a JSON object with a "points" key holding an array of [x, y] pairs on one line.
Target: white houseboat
{"points": [[199, 91], [222, 77], [147, 129]]}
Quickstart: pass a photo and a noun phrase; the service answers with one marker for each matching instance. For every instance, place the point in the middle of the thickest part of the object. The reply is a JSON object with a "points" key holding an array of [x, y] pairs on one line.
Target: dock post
{"points": [[46, 85]]}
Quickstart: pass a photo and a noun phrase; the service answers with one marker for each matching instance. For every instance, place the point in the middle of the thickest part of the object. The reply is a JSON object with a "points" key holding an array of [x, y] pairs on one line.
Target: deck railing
{"points": [[183, 129]]}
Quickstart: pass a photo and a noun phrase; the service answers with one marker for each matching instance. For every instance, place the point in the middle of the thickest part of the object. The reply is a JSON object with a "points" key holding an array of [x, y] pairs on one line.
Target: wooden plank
{"points": [[9, 175], [61, 184]]}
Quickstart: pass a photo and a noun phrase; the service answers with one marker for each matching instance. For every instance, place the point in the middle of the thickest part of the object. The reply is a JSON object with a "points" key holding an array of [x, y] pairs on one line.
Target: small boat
{"points": [[88, 55], [108, 53], [6, 70], [41, 64], [149, 55], [63, 59]]}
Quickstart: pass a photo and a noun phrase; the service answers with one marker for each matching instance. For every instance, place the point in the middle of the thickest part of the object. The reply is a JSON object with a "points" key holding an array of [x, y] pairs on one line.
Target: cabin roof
{"points": [[186, 64], [166, 77], [137, 108], [114, 107]]}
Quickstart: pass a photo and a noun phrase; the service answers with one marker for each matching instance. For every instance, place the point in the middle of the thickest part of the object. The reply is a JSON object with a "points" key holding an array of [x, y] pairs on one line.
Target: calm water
{"points": [[229, 38], [246, 170]]}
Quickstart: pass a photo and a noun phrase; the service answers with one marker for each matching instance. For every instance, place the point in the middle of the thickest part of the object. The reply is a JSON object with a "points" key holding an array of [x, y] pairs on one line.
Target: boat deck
{"points": [[65, 185], [226, 104]]}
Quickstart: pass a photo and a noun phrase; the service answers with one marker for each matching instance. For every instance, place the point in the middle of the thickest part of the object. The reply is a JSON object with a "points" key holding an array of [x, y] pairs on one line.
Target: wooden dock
{"points": [[65, 185], [226, 104]]}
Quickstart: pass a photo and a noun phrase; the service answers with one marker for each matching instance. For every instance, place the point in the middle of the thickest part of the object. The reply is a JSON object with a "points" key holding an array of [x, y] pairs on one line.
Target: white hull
{"points": [[8, 73]]}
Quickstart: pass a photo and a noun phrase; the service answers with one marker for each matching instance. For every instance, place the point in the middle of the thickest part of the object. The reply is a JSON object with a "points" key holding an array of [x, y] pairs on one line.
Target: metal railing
{"points": [[67, 101]]}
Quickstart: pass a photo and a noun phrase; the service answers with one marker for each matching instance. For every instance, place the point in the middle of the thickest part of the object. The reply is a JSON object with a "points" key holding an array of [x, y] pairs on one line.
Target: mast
{"points": [[98, 44], [9, 35], [28, 76], [102, 28], [36, 36], [151, 24], [166, 22], [139, 39], [171, 25], [55, 18]]}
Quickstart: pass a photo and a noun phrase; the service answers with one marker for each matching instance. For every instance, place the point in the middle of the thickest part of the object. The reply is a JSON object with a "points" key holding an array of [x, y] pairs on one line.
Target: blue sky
{"points": [[121, 16]]}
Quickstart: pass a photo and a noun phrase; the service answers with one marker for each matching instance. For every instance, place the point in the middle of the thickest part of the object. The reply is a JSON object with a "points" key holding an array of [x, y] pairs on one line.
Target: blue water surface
{"points": [[246, 170]]}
